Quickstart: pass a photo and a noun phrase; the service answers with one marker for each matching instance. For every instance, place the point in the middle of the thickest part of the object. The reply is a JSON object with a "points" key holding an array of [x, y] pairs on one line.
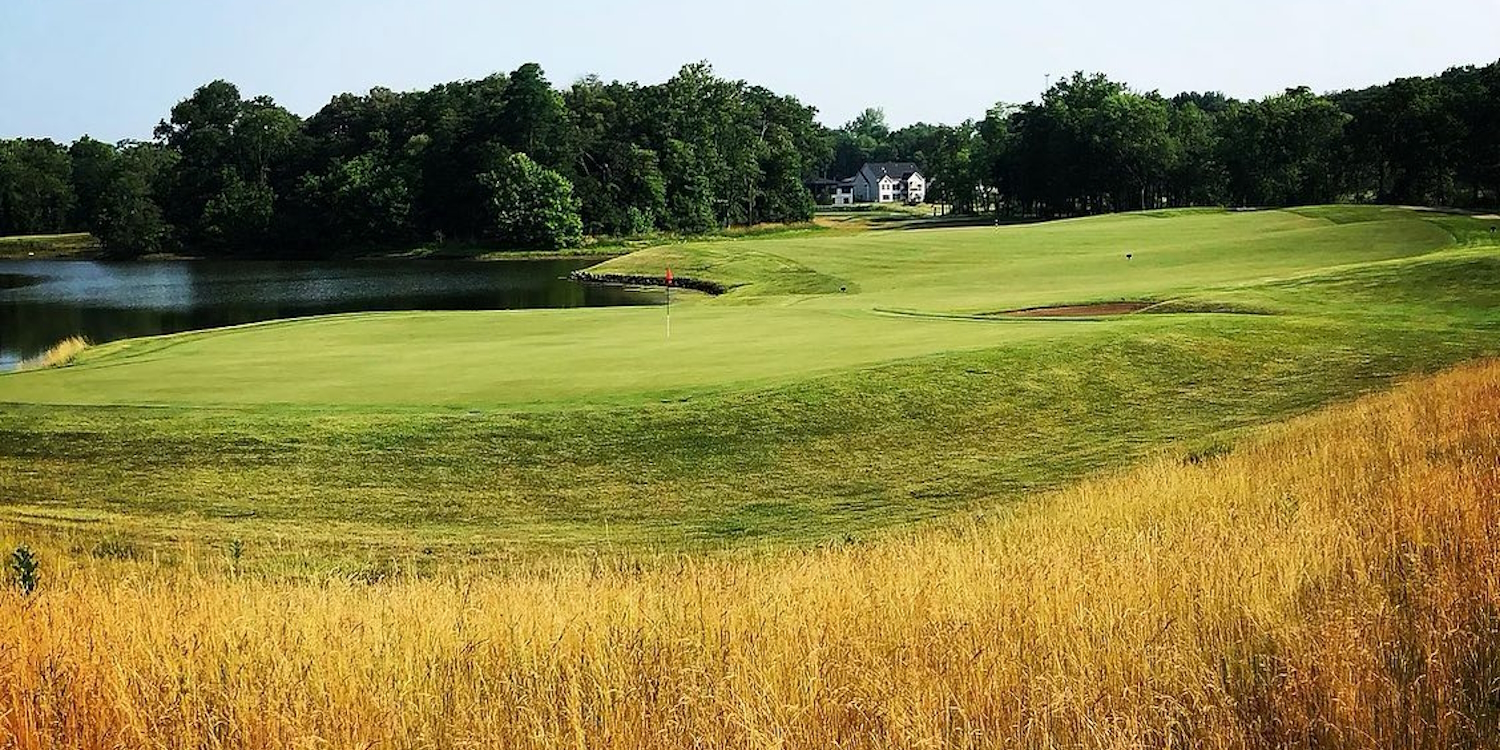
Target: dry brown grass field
{"points": [[1332, 582]]}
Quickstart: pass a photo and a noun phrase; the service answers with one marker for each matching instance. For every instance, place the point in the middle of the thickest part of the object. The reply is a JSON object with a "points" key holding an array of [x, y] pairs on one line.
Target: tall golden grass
{"points": [[61, 354], [1331, 583]]}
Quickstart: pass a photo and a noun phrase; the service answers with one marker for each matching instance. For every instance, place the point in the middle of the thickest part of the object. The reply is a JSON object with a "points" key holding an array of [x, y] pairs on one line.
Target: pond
{"points": [[44, 302]]}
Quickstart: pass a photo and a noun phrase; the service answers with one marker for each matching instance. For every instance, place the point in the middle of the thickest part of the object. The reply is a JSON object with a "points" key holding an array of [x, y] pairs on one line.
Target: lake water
{"points": [[43, 302]]}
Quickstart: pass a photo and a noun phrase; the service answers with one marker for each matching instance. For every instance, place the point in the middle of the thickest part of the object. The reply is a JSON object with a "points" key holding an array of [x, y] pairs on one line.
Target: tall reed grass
{"points": [[61, 354], [1332, 582]]}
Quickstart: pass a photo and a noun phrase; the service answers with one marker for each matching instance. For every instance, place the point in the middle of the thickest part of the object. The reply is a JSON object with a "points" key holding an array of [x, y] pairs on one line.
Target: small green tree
{"points": [[24, 569], [531, 206]]}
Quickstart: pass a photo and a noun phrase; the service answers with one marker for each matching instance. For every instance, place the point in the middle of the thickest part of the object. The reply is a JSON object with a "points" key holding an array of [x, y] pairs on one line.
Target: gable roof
{"points": [[897, 169]]}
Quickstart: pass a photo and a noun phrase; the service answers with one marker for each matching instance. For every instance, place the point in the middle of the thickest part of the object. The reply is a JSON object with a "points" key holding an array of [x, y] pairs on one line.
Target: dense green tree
{"points": [[238, 215], [1196, 175], [783, 197], [233, 153], [870, 123], [616, 173], [127, 219], [361, 201], [1476, 101], [690, 196], [866, 138], [535, 120], [36, 187], [1283, 150], [93, 165], [531, 206]]}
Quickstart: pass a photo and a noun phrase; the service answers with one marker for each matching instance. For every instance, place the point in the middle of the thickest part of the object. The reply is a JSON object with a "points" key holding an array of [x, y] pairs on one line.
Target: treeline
{"points": [[507, 160], [511, 160], [1093, 145]]}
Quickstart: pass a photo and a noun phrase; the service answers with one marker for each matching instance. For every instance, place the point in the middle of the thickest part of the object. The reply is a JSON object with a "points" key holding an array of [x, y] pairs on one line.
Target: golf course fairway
{"points": [[847, 383]]}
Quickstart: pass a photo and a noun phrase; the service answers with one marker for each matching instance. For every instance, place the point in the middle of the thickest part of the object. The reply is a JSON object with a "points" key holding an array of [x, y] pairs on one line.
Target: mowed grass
{"points": [[800, 306], [490, 360], [985, 269], [848, 384], [1331, 582]]}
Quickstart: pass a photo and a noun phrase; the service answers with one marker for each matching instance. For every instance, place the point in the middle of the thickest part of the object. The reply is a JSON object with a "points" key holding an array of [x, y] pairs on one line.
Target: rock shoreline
{"points": [[680, 282]]}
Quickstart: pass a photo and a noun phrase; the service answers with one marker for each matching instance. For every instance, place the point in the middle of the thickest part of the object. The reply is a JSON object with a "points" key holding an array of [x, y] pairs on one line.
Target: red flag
{"points": [[669, 275]]}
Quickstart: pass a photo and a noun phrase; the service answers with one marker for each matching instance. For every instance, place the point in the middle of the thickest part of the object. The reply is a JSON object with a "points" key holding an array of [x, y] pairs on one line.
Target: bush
{"points": [[25, 569], [531, 206]]}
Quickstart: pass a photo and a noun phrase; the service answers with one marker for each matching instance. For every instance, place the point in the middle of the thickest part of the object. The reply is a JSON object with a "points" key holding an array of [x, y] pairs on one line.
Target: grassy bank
{"points": [[848, 384], [46, 246], [1330, 583]]}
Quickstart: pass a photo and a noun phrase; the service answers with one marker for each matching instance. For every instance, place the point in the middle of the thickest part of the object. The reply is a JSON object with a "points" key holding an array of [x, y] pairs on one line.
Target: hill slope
{"points": [[774, 415]]}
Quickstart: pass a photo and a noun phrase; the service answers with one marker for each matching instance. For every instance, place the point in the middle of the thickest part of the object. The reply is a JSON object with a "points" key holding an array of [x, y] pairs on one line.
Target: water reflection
{"points": [[43, 302]]}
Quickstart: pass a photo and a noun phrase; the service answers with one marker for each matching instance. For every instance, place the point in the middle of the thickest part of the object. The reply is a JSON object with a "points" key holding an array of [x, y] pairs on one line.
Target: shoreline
{"points": [[712, 288]]}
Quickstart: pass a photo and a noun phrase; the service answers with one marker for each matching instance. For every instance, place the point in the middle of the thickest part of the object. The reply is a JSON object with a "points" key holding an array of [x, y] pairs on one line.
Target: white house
{"points": [[843, 192], [889, 182]]}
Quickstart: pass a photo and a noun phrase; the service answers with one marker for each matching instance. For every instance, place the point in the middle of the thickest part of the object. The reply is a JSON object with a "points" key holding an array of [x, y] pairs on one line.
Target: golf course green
{"points": [[846, 384]]}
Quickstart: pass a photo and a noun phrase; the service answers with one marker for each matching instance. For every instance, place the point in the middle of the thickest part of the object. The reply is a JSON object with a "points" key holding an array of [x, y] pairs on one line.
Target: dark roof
{"points": [[899, 169]]}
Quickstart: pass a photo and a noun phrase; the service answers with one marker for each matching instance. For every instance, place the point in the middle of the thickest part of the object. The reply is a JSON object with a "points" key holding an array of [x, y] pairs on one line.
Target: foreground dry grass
{"points": [[1333, 583]]}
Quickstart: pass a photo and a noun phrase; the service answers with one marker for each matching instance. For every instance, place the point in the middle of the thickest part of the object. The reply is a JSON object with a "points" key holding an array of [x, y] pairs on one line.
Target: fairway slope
{"points": [[781, 413], [797, 307]]}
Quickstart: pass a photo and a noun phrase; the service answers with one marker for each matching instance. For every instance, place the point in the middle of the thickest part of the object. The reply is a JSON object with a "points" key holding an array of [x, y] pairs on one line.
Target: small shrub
{"points": [[236, 554], [25, 569]]}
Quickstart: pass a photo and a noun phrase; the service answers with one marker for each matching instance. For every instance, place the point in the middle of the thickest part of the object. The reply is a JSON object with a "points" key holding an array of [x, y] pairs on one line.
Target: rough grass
{"points": [[61, 354], [1327, 583]]}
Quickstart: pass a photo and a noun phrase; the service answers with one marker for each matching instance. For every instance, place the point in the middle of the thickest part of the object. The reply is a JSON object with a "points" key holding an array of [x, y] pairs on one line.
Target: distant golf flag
{"points": [[669, 302]]}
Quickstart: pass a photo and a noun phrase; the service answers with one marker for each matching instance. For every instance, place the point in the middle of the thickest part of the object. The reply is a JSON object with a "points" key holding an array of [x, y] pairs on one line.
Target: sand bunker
{"points": [[1079, 311]]}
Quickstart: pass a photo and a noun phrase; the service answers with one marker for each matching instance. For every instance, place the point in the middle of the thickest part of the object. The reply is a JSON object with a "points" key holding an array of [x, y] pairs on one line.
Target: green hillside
{"points": [[846, 383]]}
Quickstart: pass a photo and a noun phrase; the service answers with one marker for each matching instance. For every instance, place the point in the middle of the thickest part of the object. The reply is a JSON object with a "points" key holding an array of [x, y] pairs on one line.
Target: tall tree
{"points": [[127, 218], [1283, 150], [36, 187], [222, 196]]}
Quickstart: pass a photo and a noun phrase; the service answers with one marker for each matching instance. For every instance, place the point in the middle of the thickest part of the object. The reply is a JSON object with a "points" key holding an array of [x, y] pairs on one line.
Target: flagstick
{"points": [[669, 309]]}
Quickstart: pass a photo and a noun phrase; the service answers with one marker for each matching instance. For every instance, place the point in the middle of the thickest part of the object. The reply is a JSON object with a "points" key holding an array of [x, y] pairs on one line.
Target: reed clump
{"points": [[1332, 582], [61, 354]]}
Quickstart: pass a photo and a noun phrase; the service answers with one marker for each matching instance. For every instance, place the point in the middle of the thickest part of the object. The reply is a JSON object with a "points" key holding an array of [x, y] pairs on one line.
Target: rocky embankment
{"points": [[680, 282]]}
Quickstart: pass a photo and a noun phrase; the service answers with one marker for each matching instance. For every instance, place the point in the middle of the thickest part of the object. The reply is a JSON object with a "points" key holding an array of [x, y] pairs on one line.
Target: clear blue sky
{"points": [[112, 68]]}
